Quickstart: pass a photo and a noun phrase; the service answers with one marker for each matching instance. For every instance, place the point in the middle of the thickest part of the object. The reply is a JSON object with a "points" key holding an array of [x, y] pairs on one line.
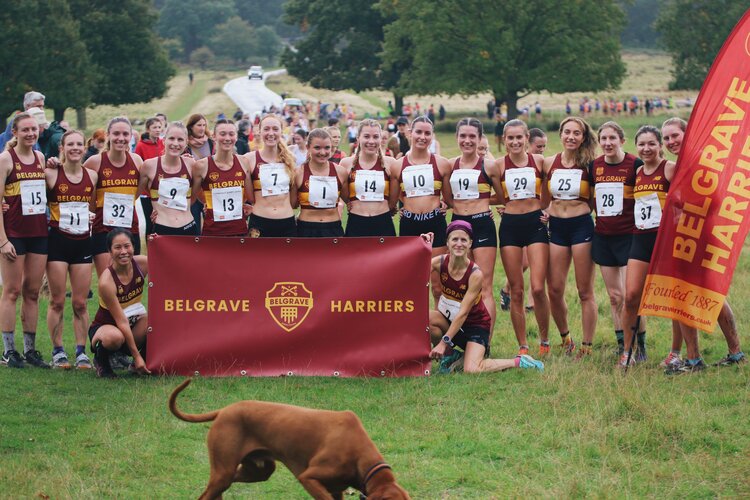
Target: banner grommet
{"points": [[243, 372], [336, 374]]}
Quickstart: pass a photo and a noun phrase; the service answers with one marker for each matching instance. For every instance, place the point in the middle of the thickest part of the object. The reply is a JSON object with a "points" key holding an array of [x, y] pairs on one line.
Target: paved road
{"points": [[251, 96]]}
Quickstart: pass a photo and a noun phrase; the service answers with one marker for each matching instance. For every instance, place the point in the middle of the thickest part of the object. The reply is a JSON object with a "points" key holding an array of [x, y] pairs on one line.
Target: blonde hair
{"points": [[368, 122], [13, 142], [516, 123], [176, 124], [116, 119], [675, 121], [586, 152], [61, 155], [282, 151]]}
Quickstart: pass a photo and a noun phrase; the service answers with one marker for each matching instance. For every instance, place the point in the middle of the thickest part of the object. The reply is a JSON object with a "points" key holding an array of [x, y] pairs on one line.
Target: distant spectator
{"points": [[441, 113], [96, 143], [537, 141], [30, 100], [243, 142], [431, 113], [190, 77]]}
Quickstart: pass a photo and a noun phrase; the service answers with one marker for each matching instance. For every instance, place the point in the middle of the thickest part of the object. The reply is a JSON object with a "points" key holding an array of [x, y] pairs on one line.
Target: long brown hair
{"points": [[586, 152], [195, 118]]}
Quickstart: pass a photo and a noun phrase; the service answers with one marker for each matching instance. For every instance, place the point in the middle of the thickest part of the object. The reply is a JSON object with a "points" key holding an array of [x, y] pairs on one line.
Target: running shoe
{"points": [[584, 351], [448, 361], [504, 300], [526, 362], [60, 360], [568, 345], [686, 367], [543, 349], [34, 358], [12, 359], [623, 362], [102, 364], [523, 350], [671, 359], [640, 353], [119, 361], [83, 362], [737, 358]]}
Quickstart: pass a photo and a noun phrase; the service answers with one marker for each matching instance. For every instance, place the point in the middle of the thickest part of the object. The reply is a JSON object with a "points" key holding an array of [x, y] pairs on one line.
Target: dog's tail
{"points": [[202, 417]]}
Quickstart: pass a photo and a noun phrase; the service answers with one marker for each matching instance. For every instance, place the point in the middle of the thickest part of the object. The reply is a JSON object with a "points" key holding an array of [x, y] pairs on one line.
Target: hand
{"points": [[544, 217], [500, 210], [6, 207], [247, 209], [438, 351], [8, 251], [427, 238], [154, 214], [443, 207], [140, 365], [53, 162]]}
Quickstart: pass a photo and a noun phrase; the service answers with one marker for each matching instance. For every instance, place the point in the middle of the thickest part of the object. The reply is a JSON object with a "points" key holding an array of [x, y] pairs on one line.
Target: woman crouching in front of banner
{"points": [[461, 318], [320, 184], [650, 191], [169, 179], [121, 321], [226, 184]]}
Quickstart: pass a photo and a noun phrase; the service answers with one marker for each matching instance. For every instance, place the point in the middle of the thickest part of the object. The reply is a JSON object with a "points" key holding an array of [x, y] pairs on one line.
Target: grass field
{"points": [[577, 430]]}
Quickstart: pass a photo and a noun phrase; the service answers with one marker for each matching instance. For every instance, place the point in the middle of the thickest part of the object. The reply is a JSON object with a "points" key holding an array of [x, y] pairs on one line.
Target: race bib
{"points": [[647, 211], [520, 183], [118, 209], [465, 184], [609, 196], [134, 310], [173, 193], [324, 191], [448, 307], [273, 179], [419, 180], [565, 184], [74, 217], [370, 185], [227, 203], [33, 197]]}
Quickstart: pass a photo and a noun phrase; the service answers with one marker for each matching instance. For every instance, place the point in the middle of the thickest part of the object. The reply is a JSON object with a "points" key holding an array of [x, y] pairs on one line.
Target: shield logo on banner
{"points": [[289, 303]]}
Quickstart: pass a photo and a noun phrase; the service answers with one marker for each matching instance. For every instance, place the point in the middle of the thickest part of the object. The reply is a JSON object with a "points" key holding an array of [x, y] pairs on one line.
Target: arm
{"points": [[147, 172], [492, 168], [343, 175], [546, 197], [50, 175], [200, 169], [94, 178], [669, 170], [393, 186], [444, 167], [249, 191], [6, 247]]}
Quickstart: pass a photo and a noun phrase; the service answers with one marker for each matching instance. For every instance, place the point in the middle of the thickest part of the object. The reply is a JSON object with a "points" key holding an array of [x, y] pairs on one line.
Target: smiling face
{"points": [[610, 142], [516, 139], [673, 136], [73, 147], [270, 131], [369, 139], [175, 141], [26, 131], [119, 136], [459, 243], [648, 146], [225, 135], [468, 139], [571, 135], [121, 250], [320, 149], [421, 135]]}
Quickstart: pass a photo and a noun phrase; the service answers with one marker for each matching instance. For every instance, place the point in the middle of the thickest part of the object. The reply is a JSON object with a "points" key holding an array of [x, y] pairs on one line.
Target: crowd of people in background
{"points": [[70, 210]]}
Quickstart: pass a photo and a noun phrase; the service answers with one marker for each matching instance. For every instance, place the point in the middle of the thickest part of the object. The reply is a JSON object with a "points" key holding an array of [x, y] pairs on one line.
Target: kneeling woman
{"points": [[320, 184], [461, 318], [121, 321]]}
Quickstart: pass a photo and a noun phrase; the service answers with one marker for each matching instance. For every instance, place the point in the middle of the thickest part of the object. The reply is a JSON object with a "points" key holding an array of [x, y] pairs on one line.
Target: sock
{"points": [[517, 361], [57, 349], [642, 339], [9, 341], [545, 343], [29, 341], [80, 349], [694, 362], [675, 352], [566, 337], [620, 335]]}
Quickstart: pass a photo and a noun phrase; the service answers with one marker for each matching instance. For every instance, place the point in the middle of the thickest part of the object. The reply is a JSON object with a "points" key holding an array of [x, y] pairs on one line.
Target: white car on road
{"points": [[255, 72]]}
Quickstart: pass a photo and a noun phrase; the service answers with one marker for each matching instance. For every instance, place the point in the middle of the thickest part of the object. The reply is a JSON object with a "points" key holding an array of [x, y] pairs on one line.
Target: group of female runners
{"points": [[258, 193]]}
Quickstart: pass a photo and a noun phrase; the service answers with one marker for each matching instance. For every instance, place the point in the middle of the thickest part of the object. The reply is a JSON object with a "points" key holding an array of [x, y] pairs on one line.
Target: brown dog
{"points": [[327, 451]]}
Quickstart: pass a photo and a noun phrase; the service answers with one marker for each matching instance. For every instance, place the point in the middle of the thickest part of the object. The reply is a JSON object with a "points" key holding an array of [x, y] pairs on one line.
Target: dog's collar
{"points": [[371, 472]]}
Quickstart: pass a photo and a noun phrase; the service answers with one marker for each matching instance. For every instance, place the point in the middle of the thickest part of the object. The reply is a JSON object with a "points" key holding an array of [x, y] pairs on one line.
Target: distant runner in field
{"points": [[461, 318]]}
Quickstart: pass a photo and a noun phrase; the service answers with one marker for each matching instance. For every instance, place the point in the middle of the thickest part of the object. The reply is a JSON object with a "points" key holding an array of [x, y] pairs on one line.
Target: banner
{"points": [[706, 215], [275, 306]]}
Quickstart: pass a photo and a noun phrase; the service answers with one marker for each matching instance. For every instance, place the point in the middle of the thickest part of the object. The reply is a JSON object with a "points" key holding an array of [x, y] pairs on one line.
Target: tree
{"points": [[234, 39], [517, 48], [693, 33], [269, 43], [202, 56], [341, 45], [639, 30], [193, 21], [47, 55]]}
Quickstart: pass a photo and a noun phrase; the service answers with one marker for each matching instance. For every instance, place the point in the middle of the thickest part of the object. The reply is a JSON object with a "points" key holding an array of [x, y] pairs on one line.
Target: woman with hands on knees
{"points": [[461, 318]]}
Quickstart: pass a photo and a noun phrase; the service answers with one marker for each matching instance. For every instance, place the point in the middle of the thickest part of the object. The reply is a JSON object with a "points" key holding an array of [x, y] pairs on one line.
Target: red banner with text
{"points": [[272, 306], [706, 216]]}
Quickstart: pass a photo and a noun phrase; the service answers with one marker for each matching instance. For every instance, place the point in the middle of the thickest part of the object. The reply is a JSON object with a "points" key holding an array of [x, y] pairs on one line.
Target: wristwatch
{"points": [[448, 340]]}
